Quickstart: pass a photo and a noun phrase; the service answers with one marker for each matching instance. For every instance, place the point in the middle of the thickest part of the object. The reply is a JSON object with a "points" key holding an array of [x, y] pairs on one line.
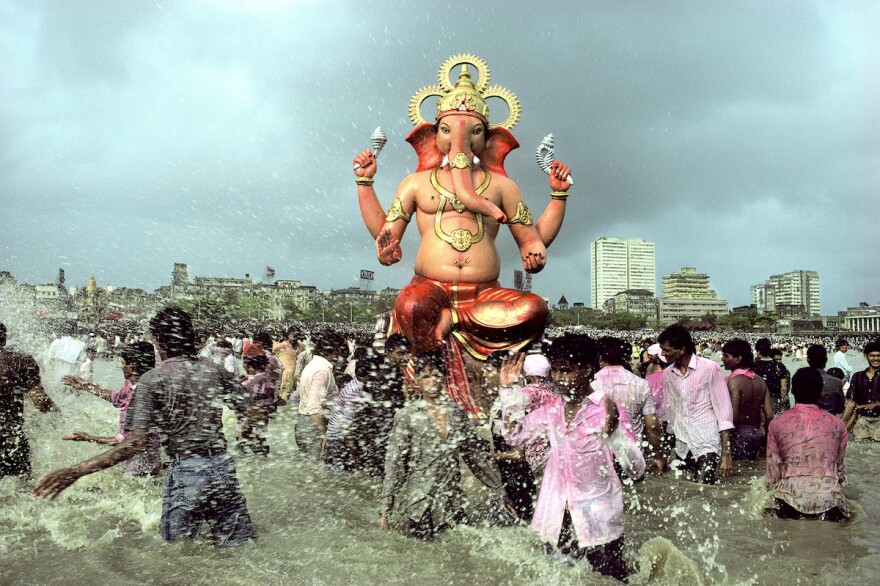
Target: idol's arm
{"points": [[550, 222], [371, 209]]}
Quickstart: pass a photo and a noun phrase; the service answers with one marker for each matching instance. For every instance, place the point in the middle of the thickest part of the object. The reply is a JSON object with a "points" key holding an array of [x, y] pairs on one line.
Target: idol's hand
{"points": [[388, 248], [365, 164], [558, 173], [534, 260]]}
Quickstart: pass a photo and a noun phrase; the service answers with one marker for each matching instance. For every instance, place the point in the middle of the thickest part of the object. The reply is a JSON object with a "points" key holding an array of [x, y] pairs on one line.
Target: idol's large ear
{"points": [[498, 145], [423, 140]]}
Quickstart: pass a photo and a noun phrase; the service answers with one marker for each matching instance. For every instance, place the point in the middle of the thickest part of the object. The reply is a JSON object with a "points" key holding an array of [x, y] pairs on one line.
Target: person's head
{"points": [[676, 342], [263, 338], [806, 386], [91, 353], [254, 358], [428, 374], [872, 354], [173, 333], [776, 354], [737, 353], [842, 345], [397, 349], [295, 336], [655, 354], [536, 367], [837, 373], [573, 360], [2, 334], [817, 356], [612, 351], [368, 367], [763, 347], [330, 345], [137, 358]]}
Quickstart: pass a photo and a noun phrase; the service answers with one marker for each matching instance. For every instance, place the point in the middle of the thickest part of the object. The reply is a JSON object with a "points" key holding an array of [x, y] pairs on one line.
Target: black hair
{"points": [[574, 349], [396, 341], [763, 347], [817, 356], [836, 372], [259, 362], [2, 334], [263, 338], [328, 342], [678, 336], [428, 360], [173, 329], [776, 352], [140, 356], [742, 349], [806, 386], [872, 346], [296, 333], [612, 350]]}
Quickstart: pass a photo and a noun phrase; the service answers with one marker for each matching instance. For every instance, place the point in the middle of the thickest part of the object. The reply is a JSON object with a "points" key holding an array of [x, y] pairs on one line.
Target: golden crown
{"points": [[465, 95]]}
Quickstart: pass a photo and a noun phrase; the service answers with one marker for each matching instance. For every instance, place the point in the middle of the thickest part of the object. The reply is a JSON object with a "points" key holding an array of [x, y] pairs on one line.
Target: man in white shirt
{"points": [[840, 360], [317, 389]]}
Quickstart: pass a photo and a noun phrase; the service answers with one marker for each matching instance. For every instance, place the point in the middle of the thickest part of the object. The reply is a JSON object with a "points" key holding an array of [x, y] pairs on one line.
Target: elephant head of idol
{"points": [[462, 133]]}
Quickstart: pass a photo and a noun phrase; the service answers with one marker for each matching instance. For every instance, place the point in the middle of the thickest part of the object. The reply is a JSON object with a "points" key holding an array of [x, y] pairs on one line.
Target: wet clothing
{"points": [[205, 489], [746, 442], [832, 399], [867, 428], [864, 390], [516, 475], [607, 559], [629, 390], [149, 461], [805, 453], [579, 476], [182, 399], [19, 373], [537, 451], [422, 472], [704, 469], [486, 317], [773, 374]]}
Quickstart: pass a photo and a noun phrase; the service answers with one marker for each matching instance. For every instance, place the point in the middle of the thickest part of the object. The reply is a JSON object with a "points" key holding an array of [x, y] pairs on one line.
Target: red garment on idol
{"points": [[486, 317]]}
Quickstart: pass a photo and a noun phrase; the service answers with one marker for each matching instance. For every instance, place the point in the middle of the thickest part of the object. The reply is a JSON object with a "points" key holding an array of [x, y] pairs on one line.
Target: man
{"points": [[749, 399], [805, 452], [182, 399], [633, 393], [862, 413], [840, 360], [775, 375], [317, 391], [697, 406], [580, 504], [832, 399], [19, 376]]}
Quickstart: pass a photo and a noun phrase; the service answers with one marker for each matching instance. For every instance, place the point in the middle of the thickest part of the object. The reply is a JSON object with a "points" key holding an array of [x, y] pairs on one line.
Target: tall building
{"points": [[687, 284], [792, 294], [618, 265]]}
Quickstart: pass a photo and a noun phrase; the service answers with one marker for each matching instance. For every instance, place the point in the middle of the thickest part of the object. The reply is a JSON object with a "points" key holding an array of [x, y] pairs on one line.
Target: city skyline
{"points": [[222, 135]]}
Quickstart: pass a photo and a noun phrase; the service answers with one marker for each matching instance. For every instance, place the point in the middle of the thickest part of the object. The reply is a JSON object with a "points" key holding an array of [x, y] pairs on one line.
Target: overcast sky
{"points": [[742, 138]]}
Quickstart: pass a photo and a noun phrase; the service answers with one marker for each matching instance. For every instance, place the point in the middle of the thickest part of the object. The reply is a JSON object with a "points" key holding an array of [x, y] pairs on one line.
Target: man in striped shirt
{"points": [[698, 407]]}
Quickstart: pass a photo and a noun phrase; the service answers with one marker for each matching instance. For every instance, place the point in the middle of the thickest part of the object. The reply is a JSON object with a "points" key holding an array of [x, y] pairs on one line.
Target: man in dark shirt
{"points": [[775, 375], [832, 399], [862, 414], [182, 399], [19, 376]]}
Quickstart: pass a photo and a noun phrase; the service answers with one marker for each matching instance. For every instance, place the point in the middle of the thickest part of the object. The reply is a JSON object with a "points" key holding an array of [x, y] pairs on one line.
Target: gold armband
{"points": [[395, 212], [364, 180], [522, 215], [559, 195]]}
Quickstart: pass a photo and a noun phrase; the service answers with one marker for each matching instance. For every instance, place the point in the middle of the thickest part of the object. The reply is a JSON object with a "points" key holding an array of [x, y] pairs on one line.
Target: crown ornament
{"points": [[465, 96]]}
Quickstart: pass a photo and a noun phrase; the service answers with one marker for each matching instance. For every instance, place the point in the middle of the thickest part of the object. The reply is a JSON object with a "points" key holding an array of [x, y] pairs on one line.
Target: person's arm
{"points": [[783, 383], [841, 469], [41, 400], [55, 482], [81, 384], [735, 392], [619, 437], [720, 399], [850, 414], [81, 436], [653, 432], [396, 464], [768, 412], [472, 451]]}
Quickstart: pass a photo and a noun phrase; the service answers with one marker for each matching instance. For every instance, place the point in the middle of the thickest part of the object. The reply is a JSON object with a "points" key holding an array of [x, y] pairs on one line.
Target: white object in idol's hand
{"points": [[377, 142], [544, 155]]}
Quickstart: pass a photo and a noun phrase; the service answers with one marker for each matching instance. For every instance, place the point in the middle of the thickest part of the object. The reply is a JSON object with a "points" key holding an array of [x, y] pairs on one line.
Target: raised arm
{"points": [[371, 209], [550, 222], [81, 384]]}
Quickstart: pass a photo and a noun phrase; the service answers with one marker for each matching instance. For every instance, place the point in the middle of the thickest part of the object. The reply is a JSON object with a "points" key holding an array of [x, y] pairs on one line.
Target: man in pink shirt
{"points": [[697, 407], [580, 505], [805, 450]]}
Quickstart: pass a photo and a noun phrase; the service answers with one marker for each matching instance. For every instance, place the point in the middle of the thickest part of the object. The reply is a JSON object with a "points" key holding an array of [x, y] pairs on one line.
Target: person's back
{"points": [[18, 374], [751, 401]]}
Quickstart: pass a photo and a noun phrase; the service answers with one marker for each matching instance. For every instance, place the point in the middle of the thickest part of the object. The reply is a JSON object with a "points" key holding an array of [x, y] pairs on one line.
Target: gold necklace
{"points": [[460, 239]]}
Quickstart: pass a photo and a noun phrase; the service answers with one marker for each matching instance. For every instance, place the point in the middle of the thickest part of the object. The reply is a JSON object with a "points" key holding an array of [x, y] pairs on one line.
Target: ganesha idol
{"points": [[459, 196]]}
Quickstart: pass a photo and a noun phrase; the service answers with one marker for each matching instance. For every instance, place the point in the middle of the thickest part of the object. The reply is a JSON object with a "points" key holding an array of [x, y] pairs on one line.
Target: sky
{"points": [[743, 138]]}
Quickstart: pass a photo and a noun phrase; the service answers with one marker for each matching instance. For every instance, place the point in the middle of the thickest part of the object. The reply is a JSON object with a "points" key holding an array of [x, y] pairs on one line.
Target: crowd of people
{"points": [[569, 418]]}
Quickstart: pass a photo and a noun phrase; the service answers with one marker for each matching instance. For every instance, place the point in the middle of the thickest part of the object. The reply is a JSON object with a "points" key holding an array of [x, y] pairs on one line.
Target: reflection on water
{"points": [[318, 527]]}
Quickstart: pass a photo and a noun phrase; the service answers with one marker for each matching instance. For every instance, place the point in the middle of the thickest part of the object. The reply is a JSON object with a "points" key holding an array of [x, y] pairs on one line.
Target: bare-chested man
{"points": [[19, 376], [749, 397]]}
